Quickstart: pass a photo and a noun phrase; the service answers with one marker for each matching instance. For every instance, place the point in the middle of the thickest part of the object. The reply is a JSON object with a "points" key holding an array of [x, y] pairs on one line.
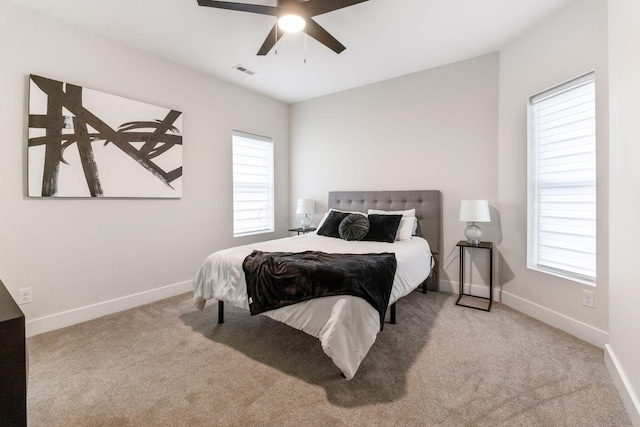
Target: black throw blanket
{"points": [[278, 279]]}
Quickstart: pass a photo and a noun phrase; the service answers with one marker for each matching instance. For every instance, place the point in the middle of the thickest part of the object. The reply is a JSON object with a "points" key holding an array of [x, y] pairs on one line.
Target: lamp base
{"points": [[473, 234], [305, 222]]}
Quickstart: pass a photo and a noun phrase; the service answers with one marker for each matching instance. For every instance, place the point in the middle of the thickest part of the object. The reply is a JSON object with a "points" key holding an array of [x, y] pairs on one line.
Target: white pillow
{"points": [[326, 214], [408, 223]]}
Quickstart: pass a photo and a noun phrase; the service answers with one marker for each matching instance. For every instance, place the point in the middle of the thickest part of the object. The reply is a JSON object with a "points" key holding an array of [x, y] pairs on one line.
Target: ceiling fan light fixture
{"points": [[291, 23]]}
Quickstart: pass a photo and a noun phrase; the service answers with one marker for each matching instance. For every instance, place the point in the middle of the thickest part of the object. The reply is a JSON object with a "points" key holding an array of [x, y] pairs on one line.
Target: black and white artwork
{"points": [[87, 143]]}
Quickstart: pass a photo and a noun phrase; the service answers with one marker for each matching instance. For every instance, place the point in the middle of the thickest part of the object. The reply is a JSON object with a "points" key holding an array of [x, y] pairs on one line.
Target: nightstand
{"points": [[301, 230], [482, 245]]}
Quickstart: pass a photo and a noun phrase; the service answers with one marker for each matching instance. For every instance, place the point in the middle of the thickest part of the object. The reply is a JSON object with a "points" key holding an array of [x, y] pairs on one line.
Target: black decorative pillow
{"points": [[383, 228], [330, 225], [354, 227]]}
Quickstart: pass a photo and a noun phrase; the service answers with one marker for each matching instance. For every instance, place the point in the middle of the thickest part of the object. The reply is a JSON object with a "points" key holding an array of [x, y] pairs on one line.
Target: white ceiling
{"points": [[384, 38]]}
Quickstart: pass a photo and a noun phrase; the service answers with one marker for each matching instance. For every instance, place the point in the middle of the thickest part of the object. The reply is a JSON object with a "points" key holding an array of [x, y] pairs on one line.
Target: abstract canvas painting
{"points": [[87, 143]]}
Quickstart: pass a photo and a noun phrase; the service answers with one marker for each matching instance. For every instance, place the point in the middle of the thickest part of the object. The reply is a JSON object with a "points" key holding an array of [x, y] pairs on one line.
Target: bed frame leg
{"points": [[424, 286], [220, 311], [392, 314]]}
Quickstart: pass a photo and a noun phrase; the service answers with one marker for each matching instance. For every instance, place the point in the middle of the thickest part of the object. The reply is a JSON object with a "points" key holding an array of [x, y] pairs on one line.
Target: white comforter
{"points": [[346, 326]]}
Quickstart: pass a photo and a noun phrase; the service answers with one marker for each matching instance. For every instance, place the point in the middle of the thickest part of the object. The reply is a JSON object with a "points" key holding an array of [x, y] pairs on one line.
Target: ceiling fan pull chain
{"points": [[275, 45], [305, 46]]}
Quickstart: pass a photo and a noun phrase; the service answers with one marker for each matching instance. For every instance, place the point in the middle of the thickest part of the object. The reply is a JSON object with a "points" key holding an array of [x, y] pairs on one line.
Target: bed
{"points": [[346, 325]]}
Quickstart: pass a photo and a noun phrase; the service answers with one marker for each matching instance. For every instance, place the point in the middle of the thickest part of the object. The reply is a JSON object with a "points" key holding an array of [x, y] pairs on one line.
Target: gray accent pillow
{"points": [[353, 227]]}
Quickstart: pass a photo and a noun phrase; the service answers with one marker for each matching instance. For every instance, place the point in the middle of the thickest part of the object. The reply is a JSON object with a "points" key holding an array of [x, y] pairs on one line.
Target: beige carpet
{"points": [[167, 364]]}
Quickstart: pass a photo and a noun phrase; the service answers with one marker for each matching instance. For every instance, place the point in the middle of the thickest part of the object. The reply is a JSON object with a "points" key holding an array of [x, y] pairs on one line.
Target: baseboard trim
{"points": [[572, 326], [83, 314], [477, 290], [625, 391]]}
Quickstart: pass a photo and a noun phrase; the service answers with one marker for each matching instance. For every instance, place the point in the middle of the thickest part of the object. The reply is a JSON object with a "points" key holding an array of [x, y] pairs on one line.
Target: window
{"points": [[561, 218], [253, 203]]}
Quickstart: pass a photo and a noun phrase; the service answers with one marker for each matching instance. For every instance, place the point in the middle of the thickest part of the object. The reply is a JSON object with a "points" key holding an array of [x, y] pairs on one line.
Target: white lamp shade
{"points": [[291, 23], [306, 206], [474, 211]]}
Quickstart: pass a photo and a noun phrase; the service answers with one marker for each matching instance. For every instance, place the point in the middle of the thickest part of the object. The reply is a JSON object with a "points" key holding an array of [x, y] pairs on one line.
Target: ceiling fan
{"points": [[293, 15]]}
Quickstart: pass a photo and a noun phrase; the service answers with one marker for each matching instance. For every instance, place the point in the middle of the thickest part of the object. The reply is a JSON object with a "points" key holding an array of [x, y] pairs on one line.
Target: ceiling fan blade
{"points": [[318, 7], [243, 7], [317, 32], [270, 41]]}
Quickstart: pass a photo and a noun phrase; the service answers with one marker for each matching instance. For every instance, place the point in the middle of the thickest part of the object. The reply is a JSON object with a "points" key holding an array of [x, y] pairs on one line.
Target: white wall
{"points": [[623, 350], [435, 129], [567, 45], [77, 253], [443, 128]]}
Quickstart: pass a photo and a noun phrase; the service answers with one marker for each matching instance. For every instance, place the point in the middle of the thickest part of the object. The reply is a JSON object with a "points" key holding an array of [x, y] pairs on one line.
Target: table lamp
{"points": [[473, 211], [306, 207]]}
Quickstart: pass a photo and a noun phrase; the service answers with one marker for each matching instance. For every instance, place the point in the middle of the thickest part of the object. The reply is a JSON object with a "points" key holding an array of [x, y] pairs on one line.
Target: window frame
{"points": [[261, 224], [533, 200]]}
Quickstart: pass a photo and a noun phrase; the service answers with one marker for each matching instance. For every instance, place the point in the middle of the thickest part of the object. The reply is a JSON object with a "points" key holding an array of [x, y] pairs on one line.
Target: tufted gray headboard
{"points": [[427, 203]]}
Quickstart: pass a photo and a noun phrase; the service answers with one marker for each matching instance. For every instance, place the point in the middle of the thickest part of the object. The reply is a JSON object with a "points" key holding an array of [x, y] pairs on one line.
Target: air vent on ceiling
{"points": [[244, 69]]}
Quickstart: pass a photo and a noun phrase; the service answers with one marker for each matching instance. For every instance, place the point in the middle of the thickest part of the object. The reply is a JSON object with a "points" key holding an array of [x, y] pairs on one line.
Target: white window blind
{"points": [[253, 201], [562, 181]]}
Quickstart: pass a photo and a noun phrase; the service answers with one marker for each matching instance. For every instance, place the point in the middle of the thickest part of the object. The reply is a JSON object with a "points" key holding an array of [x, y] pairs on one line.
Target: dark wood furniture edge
{"points": [[13, 362]]}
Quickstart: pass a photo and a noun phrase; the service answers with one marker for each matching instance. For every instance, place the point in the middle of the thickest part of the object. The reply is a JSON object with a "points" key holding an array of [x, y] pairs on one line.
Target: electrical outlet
{"points": [[587, 298], [25, 295]]}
